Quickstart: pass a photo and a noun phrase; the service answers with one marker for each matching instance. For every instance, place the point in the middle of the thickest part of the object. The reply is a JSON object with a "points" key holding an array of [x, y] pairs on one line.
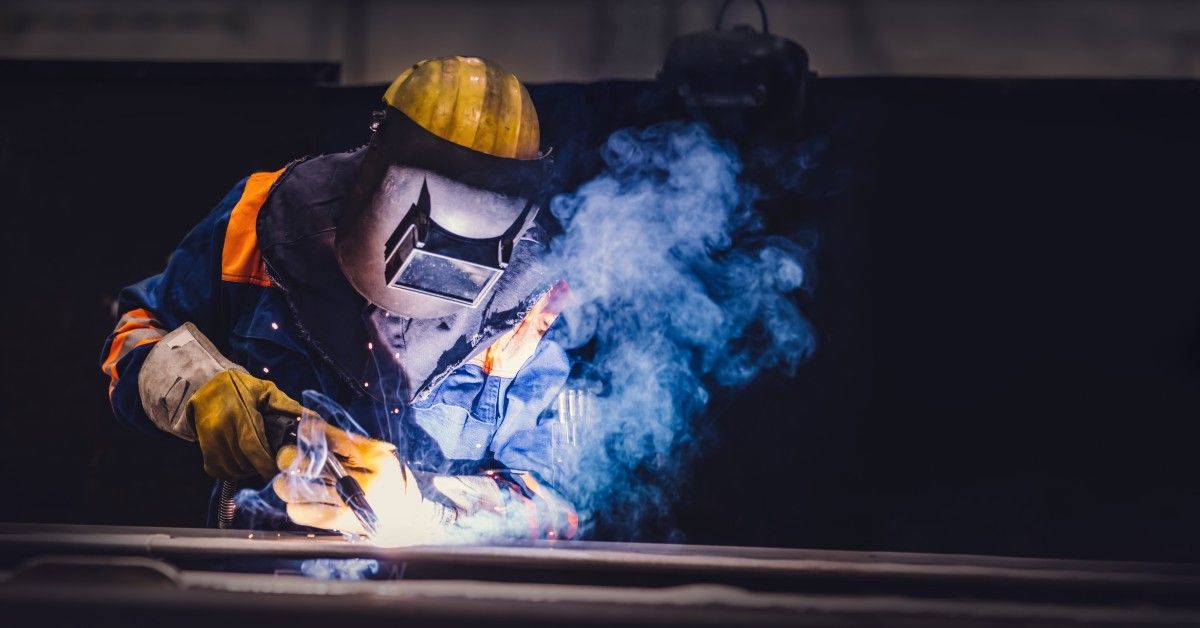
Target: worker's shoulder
{"points": [[307, 196], [318, 178], [298, 180]]}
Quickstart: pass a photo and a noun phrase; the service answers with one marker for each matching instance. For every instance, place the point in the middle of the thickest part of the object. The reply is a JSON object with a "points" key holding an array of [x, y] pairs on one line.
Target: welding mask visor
{"points": [[431, 225]]}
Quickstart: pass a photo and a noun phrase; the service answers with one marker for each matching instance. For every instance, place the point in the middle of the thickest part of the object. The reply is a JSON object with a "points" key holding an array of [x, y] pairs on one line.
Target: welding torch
{"points": [[352, 493], [281, 430]]}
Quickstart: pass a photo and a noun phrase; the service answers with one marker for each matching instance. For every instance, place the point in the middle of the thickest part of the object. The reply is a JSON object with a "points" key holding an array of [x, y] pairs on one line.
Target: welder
{"points": [[403, 280]]}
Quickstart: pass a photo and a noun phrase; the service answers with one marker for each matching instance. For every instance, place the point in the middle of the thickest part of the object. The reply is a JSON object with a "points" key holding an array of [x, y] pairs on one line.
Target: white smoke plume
{"points": [[676, 290], [339, 568]]}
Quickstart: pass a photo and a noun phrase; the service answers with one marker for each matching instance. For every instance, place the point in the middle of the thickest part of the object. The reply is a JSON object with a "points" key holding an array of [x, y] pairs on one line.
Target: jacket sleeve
{"points": [[186, 291], [523, 440], [525, 443]]}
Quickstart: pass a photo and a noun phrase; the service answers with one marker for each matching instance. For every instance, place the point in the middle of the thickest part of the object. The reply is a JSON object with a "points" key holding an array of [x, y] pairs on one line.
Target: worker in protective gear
{"points": [[403, 280]]}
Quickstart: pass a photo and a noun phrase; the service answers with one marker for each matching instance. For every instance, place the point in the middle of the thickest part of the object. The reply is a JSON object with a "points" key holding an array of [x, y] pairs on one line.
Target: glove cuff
{"points": [[178, 365]]}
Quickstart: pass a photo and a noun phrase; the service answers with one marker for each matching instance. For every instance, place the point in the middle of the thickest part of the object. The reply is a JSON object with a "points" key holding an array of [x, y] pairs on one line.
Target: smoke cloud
{"points": [[339, 568], [676, 291]]}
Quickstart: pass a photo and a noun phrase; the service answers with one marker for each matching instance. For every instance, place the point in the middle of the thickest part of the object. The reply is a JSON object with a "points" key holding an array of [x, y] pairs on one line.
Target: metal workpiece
{"points": [[169, 570], [201, 598]]}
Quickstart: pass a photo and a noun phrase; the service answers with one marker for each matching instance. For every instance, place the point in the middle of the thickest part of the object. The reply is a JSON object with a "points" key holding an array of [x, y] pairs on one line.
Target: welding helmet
{"points": [[449, 183]]}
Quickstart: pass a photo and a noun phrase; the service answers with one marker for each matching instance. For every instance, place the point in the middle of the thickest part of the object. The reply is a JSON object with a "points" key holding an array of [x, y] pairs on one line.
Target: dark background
{"points": [[1005, 296]]}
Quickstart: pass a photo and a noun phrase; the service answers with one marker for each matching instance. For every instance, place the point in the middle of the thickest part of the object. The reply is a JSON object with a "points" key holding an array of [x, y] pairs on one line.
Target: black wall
{"points": [[1005, 297], [103, 169], [1010, 321]]}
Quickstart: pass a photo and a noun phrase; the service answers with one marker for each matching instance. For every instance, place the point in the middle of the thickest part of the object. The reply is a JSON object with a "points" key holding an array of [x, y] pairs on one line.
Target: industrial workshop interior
{"points": [[526, 313]]}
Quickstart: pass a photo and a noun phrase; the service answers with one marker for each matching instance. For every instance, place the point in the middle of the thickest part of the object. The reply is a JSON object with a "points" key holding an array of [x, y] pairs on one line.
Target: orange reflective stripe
{"points": [[140, 318], [508, 353], [241, 261], [137, 327], [114, 354]]}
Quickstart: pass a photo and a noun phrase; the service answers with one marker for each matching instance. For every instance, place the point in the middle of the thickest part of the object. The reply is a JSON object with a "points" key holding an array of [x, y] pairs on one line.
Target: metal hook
{"points": [[762, 12]]}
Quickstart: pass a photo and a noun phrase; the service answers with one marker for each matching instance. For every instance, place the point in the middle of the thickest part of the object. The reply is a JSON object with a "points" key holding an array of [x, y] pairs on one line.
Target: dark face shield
{"points": [[441, 276], [432, 225], [434, 256]]}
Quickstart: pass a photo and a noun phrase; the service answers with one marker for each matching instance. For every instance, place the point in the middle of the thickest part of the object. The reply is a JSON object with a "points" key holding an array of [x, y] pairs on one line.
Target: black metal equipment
{"points": [[746, 84]]}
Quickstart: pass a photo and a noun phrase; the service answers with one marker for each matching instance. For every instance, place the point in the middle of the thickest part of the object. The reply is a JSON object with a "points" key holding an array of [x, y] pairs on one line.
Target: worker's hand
{"points": [[309, 490], [511, 351], [227, 413]]}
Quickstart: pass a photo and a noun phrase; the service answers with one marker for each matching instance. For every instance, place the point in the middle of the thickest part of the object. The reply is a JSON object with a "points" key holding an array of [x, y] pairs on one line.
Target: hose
{"points": [[226, 507]]}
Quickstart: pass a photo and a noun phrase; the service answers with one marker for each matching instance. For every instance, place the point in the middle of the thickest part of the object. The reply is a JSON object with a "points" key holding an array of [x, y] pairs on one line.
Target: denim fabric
{"points": [[473, 416]]}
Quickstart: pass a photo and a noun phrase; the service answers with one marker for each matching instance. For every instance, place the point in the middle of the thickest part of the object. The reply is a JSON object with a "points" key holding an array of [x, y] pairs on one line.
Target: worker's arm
{"points": [[500, 397], [523, 443], [184, 292], [164, 362]]}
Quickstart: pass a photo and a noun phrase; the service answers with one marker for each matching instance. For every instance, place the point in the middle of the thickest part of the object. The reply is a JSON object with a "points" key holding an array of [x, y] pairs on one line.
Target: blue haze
{"points": [[676, 291]]}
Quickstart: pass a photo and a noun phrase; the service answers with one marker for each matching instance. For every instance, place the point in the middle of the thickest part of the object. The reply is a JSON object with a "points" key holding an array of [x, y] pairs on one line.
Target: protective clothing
{"points": [[178, 365], [433, 222], [260, 278], [510, 352], [228, 415], [471, 102]]}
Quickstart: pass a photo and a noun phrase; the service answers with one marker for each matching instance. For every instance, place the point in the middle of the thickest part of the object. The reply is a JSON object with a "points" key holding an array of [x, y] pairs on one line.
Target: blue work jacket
{"points": [[464, 420]]}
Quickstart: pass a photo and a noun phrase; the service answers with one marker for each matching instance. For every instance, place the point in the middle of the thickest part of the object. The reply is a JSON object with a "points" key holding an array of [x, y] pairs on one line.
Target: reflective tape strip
{"points": [[241, 261], [135, 328], [510, 352]]}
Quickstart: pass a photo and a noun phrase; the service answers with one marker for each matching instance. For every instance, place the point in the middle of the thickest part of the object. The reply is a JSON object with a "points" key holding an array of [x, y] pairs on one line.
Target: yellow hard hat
{"points": [[471, 102]]}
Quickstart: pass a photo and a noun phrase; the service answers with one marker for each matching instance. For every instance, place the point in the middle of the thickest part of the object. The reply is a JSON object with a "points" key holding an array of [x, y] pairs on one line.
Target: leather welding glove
{"points": [[392, 491], [228, 416], [190, 390]]}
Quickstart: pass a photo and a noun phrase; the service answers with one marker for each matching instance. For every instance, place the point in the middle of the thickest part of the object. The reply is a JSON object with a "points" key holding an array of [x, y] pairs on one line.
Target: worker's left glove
{"points": [[228, 414], [507, 503], [190, 390], [392, 491]]}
